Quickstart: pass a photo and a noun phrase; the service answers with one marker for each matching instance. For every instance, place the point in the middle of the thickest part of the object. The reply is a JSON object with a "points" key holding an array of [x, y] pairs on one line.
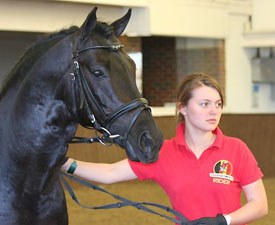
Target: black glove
{"points": [[218, 220]]}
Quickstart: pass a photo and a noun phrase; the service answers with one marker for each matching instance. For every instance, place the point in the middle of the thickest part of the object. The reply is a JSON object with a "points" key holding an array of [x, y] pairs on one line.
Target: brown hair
{"points": [[191, 82]]}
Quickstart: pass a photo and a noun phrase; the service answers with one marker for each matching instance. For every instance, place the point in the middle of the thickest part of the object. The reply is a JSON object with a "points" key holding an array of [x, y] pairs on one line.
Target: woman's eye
{"points": [[219, 105], [98, 73], [208, 104], [204, 104]]}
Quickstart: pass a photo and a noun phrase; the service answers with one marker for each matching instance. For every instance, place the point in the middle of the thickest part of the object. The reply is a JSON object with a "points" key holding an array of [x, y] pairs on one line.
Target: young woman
{"points": [[202, 171]]}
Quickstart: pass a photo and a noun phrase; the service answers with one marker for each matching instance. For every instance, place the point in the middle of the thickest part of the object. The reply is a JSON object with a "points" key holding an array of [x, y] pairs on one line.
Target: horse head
{"points": [[105, 93]]}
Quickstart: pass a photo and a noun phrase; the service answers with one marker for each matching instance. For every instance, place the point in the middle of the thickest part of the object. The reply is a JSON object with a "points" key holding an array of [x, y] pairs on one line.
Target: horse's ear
{"points": [[120, 24], [89, 24]]}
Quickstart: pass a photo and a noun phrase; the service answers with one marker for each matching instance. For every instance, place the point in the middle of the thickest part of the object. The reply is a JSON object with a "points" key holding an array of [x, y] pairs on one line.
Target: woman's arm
{"points": [[102, 172], [255, 207]]}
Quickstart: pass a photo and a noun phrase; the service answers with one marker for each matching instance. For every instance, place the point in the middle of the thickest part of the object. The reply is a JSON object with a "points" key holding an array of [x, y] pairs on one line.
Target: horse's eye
{"points": [[98, 73]]}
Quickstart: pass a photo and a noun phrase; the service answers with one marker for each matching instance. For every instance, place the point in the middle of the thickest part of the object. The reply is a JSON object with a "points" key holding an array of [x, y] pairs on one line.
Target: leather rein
{"points": [[123, 202]]}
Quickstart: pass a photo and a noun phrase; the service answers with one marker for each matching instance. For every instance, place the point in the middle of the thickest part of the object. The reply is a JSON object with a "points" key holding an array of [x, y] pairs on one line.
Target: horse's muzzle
{"points": [[147, 148]]}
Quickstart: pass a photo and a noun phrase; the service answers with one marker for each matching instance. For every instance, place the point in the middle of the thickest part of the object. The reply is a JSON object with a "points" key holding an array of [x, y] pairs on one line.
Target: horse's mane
{"points": [[35, 50]]}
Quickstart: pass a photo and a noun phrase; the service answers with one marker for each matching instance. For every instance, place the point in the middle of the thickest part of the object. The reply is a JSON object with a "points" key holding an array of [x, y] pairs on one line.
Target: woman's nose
{"points": [[214, 109]]}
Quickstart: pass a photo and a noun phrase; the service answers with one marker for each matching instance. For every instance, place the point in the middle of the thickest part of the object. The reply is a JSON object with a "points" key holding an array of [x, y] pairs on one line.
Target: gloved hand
{"points": [[218, 220]]}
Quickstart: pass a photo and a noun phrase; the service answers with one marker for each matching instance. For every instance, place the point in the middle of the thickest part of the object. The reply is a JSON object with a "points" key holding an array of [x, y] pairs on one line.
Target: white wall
{"points": [[263, 15], [238, 78], [184, 18], [49, 16]]}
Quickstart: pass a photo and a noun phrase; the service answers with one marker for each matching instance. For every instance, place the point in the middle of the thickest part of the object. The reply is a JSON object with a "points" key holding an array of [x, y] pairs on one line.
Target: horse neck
{"points": [[36, 126]]}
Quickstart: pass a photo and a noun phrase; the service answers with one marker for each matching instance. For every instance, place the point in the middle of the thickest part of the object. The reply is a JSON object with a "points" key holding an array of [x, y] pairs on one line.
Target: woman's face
{"points": [[203, 111]]}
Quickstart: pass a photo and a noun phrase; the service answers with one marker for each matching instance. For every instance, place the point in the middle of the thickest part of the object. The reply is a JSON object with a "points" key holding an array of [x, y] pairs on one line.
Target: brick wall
{"points": [[159, 69], [131, 44], [164, 66], [206, 60]]}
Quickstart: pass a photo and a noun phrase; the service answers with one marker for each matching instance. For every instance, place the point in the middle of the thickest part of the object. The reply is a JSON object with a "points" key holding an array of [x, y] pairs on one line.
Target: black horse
{"points": [[79, 75]]}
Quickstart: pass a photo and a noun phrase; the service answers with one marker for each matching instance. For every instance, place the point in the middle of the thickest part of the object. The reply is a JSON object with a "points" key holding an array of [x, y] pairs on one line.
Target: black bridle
{"points": [[87, 98]]}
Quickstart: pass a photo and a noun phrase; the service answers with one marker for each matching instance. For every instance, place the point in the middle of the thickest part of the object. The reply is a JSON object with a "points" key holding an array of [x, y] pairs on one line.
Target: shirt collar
{"points": [[180, 140]]}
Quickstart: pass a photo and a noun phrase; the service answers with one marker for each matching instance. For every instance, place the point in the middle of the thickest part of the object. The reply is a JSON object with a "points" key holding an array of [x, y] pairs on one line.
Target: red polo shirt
{"points": [[206, 186]]}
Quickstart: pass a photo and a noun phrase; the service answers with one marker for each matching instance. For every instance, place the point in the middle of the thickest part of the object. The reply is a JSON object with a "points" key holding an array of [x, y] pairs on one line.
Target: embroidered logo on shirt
{"points": [[222, 171]]}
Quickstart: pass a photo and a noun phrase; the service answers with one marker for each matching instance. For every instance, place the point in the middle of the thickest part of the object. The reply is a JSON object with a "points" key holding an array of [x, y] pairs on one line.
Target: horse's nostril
{"points": [[146, 141]]}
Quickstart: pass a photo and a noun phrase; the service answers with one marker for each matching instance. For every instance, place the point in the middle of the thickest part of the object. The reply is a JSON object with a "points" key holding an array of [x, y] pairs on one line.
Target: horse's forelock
{"points": [[104, 29]]}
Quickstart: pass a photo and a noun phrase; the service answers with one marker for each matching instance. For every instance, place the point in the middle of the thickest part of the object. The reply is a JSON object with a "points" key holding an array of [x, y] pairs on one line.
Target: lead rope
{"points": [[123, 201]]}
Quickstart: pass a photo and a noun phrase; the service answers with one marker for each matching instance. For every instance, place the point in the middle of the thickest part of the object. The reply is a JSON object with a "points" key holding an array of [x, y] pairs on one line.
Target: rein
{"points": [[123, 202]]}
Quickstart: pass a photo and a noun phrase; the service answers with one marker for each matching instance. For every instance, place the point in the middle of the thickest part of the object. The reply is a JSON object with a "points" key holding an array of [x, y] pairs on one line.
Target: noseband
{"points": [[87, 98]]}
